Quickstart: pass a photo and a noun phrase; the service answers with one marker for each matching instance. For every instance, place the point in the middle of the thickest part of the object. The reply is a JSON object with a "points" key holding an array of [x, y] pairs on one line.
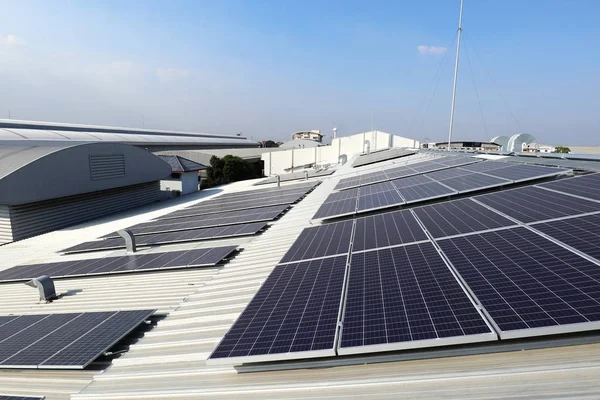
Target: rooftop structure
{"points": [[408, 228], [314, 135]]}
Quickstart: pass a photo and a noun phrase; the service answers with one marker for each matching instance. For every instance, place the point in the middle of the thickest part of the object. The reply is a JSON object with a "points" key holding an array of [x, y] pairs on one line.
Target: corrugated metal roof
{"points": [[169, 362]]}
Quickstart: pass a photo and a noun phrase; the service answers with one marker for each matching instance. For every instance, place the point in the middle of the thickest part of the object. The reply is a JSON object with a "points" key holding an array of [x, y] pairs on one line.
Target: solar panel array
{"points": [[375, 157], [191, 235], [122, 264], [296, 176], [246, 200], [557, 162], [587, 186], [63, 340], [201, 221], [463, 271], [420, 185], [8, 397]]}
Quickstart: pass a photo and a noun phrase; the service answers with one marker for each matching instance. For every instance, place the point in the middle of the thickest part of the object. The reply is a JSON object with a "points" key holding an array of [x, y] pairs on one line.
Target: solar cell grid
{"points": [[425, 191], [474, 181], [64, 340], [399, 172], [520, 173], [581, 233], [459, 217], [154, 239], [343, 195], [7, 397], [321, 241], [411, 181], [377, 188], [336, 208], [379, 200], [293, 315], [131, 263], [406, 297], [447, 173], [525, 281], [201, 221], [587, 186], [530, 204], [387, 229], [485, 166]]}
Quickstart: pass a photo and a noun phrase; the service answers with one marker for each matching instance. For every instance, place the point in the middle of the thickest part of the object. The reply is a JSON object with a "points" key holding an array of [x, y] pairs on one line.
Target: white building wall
{"points": [[284, 161], [189, 182]]}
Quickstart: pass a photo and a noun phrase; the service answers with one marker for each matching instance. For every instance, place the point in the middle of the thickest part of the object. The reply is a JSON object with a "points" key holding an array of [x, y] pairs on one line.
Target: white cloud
{"points": [[168, 75], [431, 50], [11, 40]]}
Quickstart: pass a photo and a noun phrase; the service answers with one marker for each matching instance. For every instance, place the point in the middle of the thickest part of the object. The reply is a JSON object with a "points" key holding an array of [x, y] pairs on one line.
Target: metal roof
{"points": [[181, 164], [169, 361]]}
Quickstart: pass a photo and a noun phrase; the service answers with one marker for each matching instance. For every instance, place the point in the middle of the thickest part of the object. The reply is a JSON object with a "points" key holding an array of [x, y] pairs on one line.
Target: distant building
{"points": [[479, 146], [314, 134], [538, 148], [184, 175]]}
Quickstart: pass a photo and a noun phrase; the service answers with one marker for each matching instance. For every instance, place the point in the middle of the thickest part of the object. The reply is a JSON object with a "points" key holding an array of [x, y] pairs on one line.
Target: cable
{"points": [[496, 86], [476, 91]]}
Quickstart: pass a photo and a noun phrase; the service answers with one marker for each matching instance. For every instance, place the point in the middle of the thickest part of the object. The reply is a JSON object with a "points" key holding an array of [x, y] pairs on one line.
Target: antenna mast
{"points": [[455, 75]]}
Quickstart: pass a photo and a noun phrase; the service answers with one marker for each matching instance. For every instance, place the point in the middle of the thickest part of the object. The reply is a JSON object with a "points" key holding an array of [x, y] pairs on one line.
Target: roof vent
{"points": [[45, 285], [129, 240]]}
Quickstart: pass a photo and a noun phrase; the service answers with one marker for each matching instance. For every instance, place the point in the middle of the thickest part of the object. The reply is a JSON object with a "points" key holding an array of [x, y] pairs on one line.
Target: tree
{"points": [[562, 149], [270, 143], [228, 169]]}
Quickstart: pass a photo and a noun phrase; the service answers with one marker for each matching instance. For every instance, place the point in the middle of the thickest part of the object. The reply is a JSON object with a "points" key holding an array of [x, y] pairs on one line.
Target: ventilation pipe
{"points": [[368, 146], [342, 159], [45, 286], [278, 180], [129, 240], [305, 175]]}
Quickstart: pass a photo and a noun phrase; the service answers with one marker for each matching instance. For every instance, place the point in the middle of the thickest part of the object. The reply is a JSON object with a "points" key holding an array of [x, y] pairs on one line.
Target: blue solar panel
{"points": [[293, 315], [581, 233], [399, 172], [425, 191], [587, 186], [379, 200], [458, 217], [411, 181], [406, 297], [530, 204], [525, 172], [447, 173], [485, 166], [526, 282], [132, 263], [8, 397], [343, 195], [191, 235], [336, 209], [321, 241], [387, 229], [475, 181], [377, 188], [64, 340]]}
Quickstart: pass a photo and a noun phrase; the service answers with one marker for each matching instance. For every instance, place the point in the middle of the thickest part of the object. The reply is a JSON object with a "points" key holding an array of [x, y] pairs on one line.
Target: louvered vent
{"points": [[107, 166]]}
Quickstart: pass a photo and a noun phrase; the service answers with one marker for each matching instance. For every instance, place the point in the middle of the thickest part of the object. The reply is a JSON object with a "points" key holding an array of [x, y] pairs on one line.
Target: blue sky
{"points": [[267, 68]]}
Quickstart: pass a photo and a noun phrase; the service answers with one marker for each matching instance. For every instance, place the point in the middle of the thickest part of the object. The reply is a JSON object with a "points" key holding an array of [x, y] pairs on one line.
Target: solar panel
{"points": [[390, 154], [411, 181], [456, 161], [336, 209], [377, 188], [321, 241], [399, 172], [406, 297], [459, 216], [387, 229], [447, 173], [529, 285], [581, 233], [587, 186], [425, 191], [293, 315], [379, 200], [427, 166], [530, 204], [347, 183], [122, 264], [557, 162], [485, 166], [201, 221], [519, 173], [155, 239], [475, 181], [8, 397], [64, 340], [343, 195]]}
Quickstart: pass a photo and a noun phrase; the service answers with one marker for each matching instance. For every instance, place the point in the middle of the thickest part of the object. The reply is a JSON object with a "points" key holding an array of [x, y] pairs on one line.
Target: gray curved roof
{"points": [[37, 171], [11, 130]]}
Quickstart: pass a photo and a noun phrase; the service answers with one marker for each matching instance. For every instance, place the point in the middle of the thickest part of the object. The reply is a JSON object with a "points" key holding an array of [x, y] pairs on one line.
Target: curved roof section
{"points": [[37, 171], [516, 142], [29, 130]]}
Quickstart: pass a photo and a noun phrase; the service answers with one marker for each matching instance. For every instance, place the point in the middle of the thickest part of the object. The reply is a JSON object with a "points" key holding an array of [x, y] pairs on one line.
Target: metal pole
{"points": [[373, 128], [455, 75]]}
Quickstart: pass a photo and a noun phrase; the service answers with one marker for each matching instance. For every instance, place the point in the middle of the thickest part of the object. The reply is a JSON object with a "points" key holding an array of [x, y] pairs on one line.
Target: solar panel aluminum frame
{"points": [[21, 397], [452, 193], [292, 355], [418, 344], [525, 332], [476, 189], [336, 215]]}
